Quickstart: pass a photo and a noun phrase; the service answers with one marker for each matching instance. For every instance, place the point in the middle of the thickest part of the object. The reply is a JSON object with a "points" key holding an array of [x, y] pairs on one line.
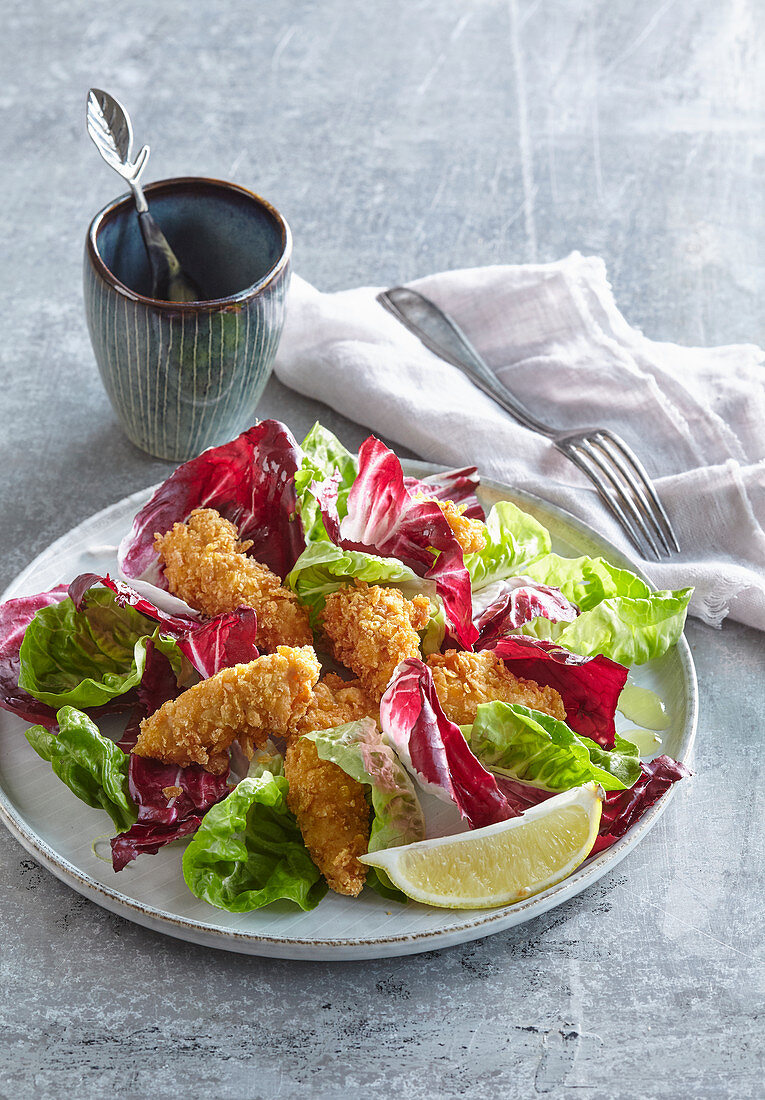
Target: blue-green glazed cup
{"points": [[183, 376]]}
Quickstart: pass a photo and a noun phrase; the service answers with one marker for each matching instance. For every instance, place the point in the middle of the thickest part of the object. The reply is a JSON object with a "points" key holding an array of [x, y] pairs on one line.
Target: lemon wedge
{"points": [[499, 864]]}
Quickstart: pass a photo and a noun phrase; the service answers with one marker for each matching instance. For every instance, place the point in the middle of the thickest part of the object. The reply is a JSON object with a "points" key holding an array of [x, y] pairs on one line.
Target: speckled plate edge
{"points": [[479, 923]]}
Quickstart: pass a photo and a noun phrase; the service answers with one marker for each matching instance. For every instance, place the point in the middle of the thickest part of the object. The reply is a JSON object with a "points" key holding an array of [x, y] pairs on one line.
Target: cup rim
{"points": [[174, 184]]}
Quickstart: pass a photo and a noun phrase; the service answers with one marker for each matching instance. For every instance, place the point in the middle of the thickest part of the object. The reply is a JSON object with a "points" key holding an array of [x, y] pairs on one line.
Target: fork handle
{"points": [[443, 336]]}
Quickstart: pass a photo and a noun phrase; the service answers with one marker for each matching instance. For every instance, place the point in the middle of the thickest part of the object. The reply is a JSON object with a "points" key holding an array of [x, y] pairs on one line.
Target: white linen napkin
{"points": [[554, 335]]}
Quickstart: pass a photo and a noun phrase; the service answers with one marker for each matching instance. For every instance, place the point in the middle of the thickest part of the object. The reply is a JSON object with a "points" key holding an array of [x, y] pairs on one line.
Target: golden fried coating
{"points": [[330, 806], [333, 815], [246, 702], [463, 680], [206, 565], [469, 533], [334, 703], [373, 629]]}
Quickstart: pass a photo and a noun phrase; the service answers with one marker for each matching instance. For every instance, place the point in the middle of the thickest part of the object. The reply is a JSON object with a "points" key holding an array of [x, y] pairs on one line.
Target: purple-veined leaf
{"points": [[518, 600], [434, 749], [191, 790], [622, 809], [15, 617], [209, 644], [386, 519], [459, 486], [249, 481], [589, 686]]}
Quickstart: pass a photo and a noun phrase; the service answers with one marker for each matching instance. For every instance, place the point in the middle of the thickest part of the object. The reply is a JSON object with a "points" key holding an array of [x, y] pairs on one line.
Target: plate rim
{"points": [[486, 922]]}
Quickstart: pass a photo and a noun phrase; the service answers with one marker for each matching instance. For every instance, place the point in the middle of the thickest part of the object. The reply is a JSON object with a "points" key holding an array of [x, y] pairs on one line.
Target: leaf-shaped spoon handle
{"points": [[109, 127]]}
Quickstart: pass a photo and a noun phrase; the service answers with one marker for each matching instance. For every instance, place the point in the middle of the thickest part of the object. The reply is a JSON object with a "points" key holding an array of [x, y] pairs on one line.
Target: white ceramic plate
{"points": [[58, 830]]}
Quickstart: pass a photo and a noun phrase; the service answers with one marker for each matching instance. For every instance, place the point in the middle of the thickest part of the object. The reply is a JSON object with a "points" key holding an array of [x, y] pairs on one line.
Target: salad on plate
{"points": [[310, 649]]}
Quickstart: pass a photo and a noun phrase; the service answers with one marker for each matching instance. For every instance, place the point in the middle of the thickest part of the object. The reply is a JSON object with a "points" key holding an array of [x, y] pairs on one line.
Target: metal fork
{"points": [[614, 469]]}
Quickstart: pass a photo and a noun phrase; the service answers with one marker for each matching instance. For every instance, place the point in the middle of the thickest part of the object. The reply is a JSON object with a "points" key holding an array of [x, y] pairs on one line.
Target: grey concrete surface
{"points": [[398, 139]]}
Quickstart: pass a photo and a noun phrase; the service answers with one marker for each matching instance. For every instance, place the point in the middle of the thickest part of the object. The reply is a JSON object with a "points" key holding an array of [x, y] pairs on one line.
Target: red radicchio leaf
{"points": [[384, 518], [160, 819], [434, 749], [15, 617], [326, 493], [158, 684], [250, 481], [149, 838], [459, 486], [520, 600], [622, 809], [126, 596], [589, 686], [225, 640], [209, 644]]}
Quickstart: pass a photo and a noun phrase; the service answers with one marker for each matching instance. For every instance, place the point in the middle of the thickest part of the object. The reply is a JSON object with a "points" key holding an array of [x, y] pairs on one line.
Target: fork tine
{"points": [[609, 498], [600, 439], [626, 500], [661, 517]]}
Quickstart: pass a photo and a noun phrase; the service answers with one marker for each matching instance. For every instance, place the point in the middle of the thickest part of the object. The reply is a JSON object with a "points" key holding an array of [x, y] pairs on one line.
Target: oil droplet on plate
{"points": [[643, 706], [646, 741]]}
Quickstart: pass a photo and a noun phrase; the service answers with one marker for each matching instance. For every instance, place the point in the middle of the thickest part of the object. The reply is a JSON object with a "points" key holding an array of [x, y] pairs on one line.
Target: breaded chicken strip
{"points": [[333, 815], [245, 702], [463, 680], [334, 703], [330, 806], [206, 565], [373, 629], [469, 533]]}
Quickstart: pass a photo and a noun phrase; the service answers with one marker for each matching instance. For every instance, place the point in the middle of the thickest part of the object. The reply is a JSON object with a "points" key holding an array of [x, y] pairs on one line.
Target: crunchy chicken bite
{"points": [[334, 703], [469, 533], [333, 815], [206, 565], [373, 629], [249, 702], [330, 806], [463, 680]]}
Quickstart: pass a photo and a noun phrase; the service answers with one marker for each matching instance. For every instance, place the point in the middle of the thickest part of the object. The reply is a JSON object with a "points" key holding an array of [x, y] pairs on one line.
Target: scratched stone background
{"points": [[398, 139]]}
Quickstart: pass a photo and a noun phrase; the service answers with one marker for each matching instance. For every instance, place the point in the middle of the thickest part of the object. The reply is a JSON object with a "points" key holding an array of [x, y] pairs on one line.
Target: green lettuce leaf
{"points": [[378, 881], [85, 658], [629, 631], [586, 581], [513, 538], [358, 748], [323, 453], [621, 617], [248, 851], [91, 765], [323, 568], [266, 759], [535, 748], [432, 638]]}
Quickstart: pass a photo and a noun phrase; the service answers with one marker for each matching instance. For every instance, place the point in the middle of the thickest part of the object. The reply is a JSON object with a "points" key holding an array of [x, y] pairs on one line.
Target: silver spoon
{"points": [[109, 127]]}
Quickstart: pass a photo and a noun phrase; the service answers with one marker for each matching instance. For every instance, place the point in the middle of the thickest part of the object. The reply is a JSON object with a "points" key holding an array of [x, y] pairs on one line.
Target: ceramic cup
{"points": [[183, 376]]}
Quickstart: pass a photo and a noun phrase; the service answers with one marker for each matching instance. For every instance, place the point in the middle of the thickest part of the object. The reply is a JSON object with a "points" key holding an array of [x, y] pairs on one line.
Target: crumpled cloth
{"points": [[554, 335]]}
